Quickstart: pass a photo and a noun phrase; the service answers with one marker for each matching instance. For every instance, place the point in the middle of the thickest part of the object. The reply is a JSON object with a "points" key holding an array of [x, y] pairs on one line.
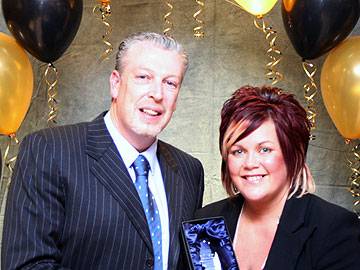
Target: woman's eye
{"points": [[265, 150], [237, 152]]}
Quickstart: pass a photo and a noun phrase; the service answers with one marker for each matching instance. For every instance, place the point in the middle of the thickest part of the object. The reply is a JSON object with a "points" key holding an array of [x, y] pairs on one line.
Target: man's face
{"points": [[145, 92]]}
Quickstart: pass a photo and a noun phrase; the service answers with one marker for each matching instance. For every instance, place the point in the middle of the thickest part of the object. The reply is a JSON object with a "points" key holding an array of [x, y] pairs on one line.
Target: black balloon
{"points": [[316, 26], [45, 28]]}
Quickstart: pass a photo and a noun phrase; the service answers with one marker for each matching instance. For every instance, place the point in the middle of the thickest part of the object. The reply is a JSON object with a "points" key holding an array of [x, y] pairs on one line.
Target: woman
{"points": [[273, 219]]}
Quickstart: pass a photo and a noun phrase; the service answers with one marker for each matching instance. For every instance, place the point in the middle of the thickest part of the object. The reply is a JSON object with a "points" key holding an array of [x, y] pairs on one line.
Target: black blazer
{"points": [[312, 234], [73, 205]]}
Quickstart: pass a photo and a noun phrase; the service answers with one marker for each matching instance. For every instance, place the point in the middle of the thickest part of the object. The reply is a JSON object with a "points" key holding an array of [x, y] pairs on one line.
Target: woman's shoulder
{"points": [[336, 233], [220, 208], [325, 215], [322, 208]]}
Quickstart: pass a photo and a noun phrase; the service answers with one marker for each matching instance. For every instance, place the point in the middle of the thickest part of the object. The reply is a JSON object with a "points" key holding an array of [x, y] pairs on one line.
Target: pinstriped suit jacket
{"points": [[72, 204]]}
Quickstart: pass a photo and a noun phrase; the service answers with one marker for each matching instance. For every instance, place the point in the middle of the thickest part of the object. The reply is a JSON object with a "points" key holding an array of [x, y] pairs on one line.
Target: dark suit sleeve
{"points": [[341, 244], [201, 187], [34, 211], [198, 182]]}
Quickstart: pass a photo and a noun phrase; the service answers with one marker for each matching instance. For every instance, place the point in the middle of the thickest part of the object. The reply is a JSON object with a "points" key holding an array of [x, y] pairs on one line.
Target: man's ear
{"points": [[114, 80]]}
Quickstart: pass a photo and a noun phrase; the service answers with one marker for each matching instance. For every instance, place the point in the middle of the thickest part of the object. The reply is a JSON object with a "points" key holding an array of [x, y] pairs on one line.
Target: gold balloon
{"points": [[257, 7], [16, 84], [340, 87]]}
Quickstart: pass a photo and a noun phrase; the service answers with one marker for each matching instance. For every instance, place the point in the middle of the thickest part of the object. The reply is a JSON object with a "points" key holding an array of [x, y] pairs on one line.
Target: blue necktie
{"points": [[141, 167]]}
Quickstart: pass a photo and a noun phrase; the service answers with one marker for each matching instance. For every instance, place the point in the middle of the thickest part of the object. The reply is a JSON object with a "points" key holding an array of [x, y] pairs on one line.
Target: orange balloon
{"points": [[257, 7], [289, 4], [16, 84], [340, 87]]}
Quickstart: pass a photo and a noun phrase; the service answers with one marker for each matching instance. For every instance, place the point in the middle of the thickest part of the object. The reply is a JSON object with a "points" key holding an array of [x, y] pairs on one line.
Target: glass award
{"points": [[208, 245]]}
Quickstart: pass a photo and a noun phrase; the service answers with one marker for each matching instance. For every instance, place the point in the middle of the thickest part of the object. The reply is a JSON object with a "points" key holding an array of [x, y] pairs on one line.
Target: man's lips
{"points": [[151, 112]]}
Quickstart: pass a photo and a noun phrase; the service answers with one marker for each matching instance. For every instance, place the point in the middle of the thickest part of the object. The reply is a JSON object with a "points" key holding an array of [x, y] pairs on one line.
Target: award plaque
{"points": [[208, 245]]}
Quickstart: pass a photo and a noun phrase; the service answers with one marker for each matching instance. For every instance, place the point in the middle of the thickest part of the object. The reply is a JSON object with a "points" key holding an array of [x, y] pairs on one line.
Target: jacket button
{"points": [[149, 262]]}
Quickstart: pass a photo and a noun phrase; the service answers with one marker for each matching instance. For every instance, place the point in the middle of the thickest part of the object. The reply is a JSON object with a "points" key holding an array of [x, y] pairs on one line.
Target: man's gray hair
{"points": [[163, 41]]}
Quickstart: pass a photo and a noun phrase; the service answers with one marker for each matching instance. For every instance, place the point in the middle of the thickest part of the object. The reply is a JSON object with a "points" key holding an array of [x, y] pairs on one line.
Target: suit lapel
{"points": [[231, 213], [174, 188], [109, 168], [290, 236]]}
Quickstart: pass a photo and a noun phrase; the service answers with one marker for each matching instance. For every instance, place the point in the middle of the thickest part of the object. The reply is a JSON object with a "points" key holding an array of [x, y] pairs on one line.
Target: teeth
{"points": [[151, 112], [256, 178]]}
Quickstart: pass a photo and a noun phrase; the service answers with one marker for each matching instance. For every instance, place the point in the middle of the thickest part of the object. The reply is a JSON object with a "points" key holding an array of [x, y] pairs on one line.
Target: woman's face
{"points": [[257, 168]]}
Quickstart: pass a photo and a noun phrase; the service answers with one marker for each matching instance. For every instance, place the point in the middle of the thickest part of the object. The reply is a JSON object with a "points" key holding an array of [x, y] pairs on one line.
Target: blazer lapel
{"points": [[174, 189], [290, 236], [232, 212], [110, 170]]}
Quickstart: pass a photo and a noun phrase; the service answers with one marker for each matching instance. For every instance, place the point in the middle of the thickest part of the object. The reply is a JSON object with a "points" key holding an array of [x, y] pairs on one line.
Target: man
{"points": [[75, 201]]}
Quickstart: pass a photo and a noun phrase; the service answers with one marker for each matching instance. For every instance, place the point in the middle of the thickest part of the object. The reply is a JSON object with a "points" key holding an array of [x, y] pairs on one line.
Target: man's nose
{"points": [[156, 91]]}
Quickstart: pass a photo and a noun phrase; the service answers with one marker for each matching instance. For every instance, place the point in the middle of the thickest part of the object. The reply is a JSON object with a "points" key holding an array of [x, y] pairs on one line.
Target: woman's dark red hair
{"points": [[253, 106]]}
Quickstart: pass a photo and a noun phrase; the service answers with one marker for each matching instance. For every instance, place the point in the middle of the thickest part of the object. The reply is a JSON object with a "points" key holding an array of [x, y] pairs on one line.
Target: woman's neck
{"points": [[259, 212]]}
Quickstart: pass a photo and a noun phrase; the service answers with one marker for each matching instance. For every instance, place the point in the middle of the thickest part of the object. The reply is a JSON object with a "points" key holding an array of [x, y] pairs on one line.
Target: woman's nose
{"points": [[251, 160]]}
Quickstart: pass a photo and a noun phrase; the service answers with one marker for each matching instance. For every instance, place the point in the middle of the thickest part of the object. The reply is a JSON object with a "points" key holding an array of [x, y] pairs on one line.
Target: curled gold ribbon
{"points": [[353, 162], [199, 28], [235, 4], [104, 10], [168, 25], [9, 165], [51, 92], [310, 91], [272, 52]]}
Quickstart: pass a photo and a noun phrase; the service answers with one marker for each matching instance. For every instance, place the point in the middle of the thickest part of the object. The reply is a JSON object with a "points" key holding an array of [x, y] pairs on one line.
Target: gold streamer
{"points": [[52, 92], [310, 91], [9, 164], [168, 25], [235, 4], [199, 28], [273, 52], [353, 162], [104, 10]]}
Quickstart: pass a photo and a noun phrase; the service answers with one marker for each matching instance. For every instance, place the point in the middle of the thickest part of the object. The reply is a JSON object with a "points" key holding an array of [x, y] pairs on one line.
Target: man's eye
{"points": [[171, 83], [142, 77]]}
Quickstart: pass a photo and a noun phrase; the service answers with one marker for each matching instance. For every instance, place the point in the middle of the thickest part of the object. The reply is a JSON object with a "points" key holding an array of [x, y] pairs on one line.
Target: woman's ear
{"points": [[114, 80]]}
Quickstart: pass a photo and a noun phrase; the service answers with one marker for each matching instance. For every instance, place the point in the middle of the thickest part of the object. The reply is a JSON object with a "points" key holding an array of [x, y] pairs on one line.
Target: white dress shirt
{"points": [[156, 184]]}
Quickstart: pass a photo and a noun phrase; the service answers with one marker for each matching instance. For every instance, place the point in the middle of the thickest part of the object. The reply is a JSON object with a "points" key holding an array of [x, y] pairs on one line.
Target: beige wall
{"points": [[231, 55]]}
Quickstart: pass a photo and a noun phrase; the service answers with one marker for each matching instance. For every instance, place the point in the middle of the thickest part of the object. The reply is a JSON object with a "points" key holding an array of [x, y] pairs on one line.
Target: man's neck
{"points": [[139, 142]]}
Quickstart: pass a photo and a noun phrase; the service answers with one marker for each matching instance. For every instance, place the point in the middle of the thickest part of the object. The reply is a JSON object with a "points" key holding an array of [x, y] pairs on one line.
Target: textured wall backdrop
{"points": [[232, 54]]}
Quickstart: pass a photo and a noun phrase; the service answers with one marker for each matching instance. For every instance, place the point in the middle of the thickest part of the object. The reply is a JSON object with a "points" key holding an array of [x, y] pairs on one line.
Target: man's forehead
{"points": [[147, 46], [145, 51]]}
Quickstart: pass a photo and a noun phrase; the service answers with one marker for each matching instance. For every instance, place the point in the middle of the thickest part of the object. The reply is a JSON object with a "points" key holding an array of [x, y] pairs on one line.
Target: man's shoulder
{"points": [[166, 148], [64, 132], [59, 132]]}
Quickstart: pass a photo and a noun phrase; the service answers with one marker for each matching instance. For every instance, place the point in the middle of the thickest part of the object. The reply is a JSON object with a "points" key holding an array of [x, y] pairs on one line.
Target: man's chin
{"points": [[148, 131]]}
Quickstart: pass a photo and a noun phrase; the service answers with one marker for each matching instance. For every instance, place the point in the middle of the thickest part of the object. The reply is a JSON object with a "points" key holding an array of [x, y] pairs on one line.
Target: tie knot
{"points": [[141, 166]]}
